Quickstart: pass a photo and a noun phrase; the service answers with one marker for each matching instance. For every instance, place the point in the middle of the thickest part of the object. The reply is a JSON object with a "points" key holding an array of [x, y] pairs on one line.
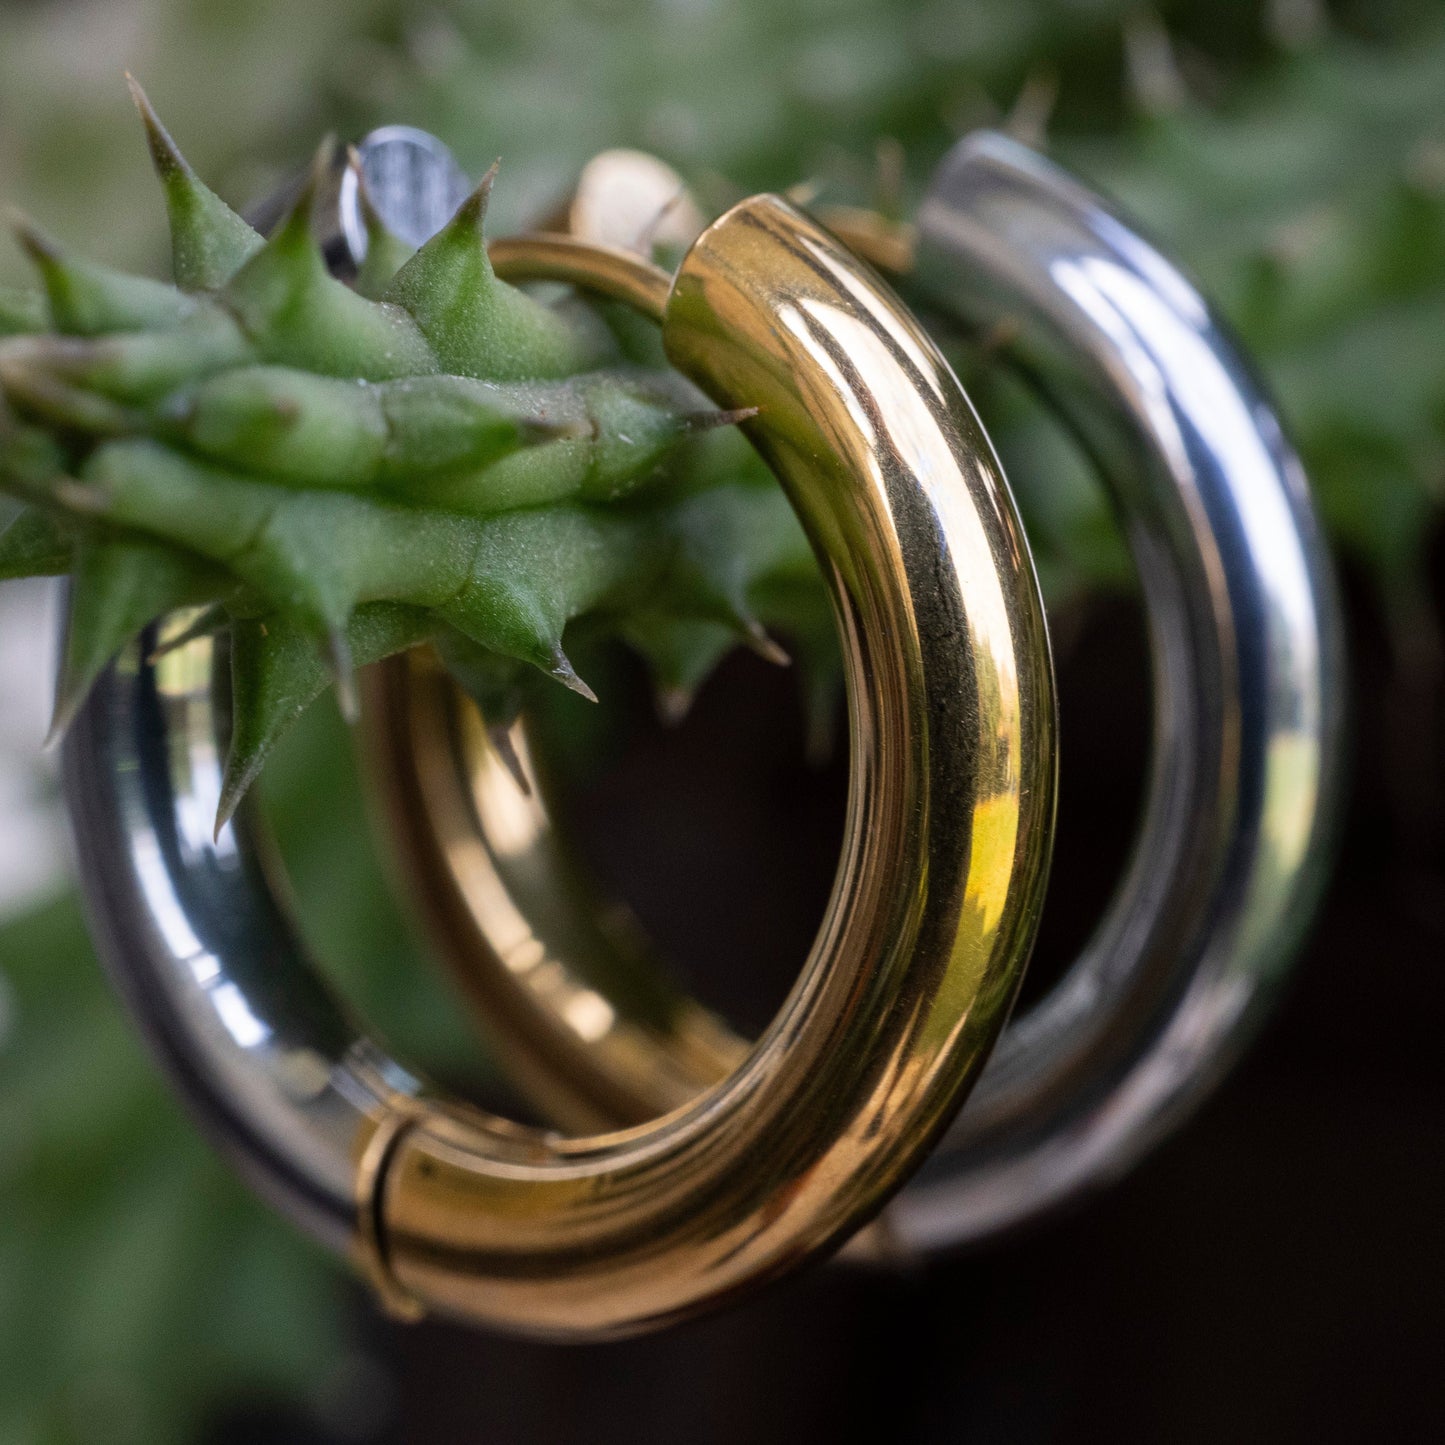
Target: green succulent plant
{"points": [[338, 476]]}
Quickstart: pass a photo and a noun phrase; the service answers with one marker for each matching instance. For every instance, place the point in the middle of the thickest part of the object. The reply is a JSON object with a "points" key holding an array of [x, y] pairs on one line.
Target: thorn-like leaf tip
{"points": [[704, 421], [303, 209], [42, 249], [225, 812], [325, 158], [165, 154], [60, 716], [566, 674], [473, 211], [343, 673], [60, 720], [370, 211], [364, 199], [766, 647]]}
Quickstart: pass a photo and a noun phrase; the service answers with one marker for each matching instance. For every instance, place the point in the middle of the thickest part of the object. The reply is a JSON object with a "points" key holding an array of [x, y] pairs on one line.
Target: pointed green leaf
{"points": [[30, 459], [120, 586], [456, 424], [532, 572], [87, 300], [277, 674], [209, 241], [39, 393], [297, 314], [680, 653], [296, 427], [386, 252], [313, 555], [136, 366], [614, 434], [726, 538], [476, 324], [636, 426], [289, 453], [288, 425], [495, 683]]}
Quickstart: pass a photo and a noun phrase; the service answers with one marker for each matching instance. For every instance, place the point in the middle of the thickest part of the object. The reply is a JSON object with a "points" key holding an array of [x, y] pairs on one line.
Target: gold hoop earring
{"points": [[946, 848], [938, 891]]}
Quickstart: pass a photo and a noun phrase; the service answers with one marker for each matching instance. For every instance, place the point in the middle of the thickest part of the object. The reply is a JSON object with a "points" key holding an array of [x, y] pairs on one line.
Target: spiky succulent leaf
{"points": [[342, 476], [475, 324], [84, 299], [119, 585], [386, 252], [276, 675], [209, 241]]}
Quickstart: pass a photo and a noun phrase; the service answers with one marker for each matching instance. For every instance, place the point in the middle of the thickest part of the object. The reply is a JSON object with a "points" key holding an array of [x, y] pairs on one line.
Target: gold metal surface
{"points": [[944, 858], [583, 1021], [607, 270], [572, 1000], [399, 1303]]}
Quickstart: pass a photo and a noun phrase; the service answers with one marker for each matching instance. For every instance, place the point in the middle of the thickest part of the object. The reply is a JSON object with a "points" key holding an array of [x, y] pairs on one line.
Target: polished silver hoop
{"points": [[1248, 669]]}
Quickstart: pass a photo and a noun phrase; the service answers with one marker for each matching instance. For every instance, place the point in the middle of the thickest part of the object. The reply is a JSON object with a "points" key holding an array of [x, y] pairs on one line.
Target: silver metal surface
{"points": [[414, 182], [189, 925], [1247, 676], [191, 932]]}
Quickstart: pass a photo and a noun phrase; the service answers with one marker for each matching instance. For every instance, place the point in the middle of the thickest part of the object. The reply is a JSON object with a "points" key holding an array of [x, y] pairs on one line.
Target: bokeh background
{"points": [[1274, 1273]]}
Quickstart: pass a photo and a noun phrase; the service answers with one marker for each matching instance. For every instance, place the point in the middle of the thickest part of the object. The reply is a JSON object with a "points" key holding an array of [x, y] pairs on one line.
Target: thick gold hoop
{"points": [[944, 859]]}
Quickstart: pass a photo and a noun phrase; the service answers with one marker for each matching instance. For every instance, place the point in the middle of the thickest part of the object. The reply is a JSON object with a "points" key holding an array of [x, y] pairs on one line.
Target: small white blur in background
{"points": [[32, 836]]}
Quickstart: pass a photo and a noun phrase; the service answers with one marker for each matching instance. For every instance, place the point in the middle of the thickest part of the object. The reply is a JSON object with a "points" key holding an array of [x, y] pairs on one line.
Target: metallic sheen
{"points": [[932, 916], [1243, 780]]}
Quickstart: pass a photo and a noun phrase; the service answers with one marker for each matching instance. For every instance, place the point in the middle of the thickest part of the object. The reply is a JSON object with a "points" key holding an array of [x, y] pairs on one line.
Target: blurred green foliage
{"points": [[1292, 153], [135, 1277]]}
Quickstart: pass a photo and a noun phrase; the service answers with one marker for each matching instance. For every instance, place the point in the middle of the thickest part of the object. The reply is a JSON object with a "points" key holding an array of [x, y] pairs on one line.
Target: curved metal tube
{"points": [[1247, 735], [201, 948], [1247, 661]]}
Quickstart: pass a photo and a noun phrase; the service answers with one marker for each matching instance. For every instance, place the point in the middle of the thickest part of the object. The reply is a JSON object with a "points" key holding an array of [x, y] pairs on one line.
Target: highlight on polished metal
{"points": [[933, 912], [1228, 859]]}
